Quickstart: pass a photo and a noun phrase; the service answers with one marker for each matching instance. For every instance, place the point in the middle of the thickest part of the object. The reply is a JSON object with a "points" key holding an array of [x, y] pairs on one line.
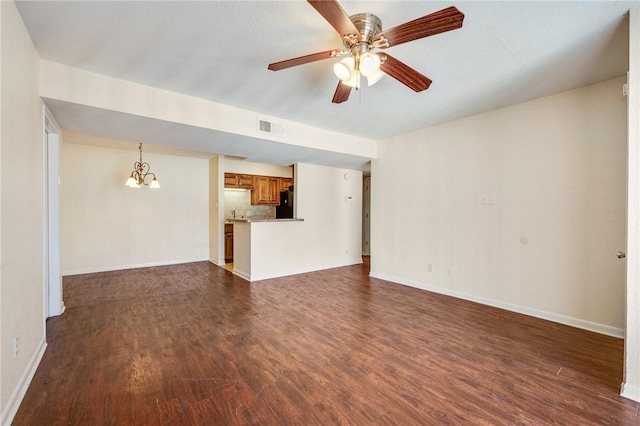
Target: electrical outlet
{"points": [[429, 267], [16, 346], [451, 271], [484, 199], [492, 199], [150, 250]]}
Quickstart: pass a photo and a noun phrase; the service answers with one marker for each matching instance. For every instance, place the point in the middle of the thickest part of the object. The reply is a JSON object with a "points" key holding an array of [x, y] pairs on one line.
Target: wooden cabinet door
{"points": [[228, 243], [230, 180], [285, 183], [274, 191], [246, 181], [266, 190], [234, 180]]}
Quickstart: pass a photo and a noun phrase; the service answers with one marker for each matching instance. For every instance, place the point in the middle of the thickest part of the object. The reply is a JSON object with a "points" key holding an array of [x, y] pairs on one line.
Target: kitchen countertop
{"points": [[247, 220]]}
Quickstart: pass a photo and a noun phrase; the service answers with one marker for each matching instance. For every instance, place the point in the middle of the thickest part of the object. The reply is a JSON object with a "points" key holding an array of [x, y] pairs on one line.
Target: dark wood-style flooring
{"points": [[193, 344]]}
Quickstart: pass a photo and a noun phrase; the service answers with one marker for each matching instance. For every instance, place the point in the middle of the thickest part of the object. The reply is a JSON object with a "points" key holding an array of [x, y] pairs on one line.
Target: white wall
{"points": [[333, 227], [107, 225], [21, 211], [556, 170], [330, 235]]}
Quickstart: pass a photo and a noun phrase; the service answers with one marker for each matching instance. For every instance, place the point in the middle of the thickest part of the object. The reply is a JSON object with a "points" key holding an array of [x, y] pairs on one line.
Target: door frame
{"points": [[53, 297]]}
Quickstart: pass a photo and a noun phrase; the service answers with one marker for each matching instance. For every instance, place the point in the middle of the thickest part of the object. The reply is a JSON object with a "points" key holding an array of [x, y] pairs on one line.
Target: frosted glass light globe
{"points": [[369, 64], [344, 69]]}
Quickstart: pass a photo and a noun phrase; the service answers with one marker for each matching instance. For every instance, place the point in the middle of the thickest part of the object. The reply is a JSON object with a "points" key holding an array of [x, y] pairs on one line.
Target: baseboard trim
{"points": [[630, 392], [241, 274], [135, 266], [549, 316], [62, 308], [23, 384]]}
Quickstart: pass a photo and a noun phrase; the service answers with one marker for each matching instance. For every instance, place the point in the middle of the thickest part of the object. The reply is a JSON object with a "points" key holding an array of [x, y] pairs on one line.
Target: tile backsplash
{"points": [[240, 202]]}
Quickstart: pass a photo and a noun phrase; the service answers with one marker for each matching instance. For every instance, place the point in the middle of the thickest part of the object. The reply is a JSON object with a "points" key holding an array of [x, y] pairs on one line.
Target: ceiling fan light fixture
{"points": [[354, 81], [344, 69], [375, 77], [369, 64]]}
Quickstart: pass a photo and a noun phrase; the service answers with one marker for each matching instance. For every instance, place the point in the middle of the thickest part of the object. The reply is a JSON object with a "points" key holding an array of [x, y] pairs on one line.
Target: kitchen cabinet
{"points": [[266, 191], [228, 242], [285, 183], [240, 181]]}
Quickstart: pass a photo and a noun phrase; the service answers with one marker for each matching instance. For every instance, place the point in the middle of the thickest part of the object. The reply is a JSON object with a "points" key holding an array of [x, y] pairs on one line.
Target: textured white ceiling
{"points": [[506, 53]]}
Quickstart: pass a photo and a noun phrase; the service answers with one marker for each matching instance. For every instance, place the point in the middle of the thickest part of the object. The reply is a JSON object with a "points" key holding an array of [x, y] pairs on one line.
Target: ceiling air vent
{"points": [[269, 127]]}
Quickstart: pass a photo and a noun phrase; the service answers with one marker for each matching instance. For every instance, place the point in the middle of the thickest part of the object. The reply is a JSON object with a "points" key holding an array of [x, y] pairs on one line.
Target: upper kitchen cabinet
{"points": [[266, 190], [234, 180], [285, 183]]}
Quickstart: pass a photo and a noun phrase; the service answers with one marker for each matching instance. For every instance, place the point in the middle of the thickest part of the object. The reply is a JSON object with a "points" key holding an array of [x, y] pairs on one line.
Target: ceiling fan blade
{"points": [[336, 16], [300, 60], [405, 74], [435, 23], [342, 93]]}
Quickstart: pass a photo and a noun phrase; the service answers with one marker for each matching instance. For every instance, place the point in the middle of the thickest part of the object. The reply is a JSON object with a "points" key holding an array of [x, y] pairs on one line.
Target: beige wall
{"points": [[526, 204], [332, 226], [21, 211], [107, 225]]}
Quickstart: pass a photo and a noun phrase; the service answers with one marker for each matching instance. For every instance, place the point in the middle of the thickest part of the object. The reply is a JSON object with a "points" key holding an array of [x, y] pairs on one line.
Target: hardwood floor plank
{"points": [[194, 344]]}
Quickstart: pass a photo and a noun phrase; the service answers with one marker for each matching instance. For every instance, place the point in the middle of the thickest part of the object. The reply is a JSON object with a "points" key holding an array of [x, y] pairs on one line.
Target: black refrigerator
{"points": [[285, 209]]}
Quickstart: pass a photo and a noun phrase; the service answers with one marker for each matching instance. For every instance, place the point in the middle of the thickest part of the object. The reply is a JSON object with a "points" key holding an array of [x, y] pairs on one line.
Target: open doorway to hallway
{"points": [[366, 215]]}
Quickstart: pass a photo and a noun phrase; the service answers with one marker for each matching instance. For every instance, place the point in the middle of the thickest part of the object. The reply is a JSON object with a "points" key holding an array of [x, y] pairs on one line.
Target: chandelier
{"points": [[140, 173]]}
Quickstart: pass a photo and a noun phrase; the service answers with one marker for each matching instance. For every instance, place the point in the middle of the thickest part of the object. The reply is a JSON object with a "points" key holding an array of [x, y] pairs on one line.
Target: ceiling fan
{"points": [[361, 35]]}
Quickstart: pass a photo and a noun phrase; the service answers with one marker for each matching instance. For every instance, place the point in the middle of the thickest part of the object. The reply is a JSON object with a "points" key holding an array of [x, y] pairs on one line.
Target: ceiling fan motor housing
{"points": [[368, 24]]}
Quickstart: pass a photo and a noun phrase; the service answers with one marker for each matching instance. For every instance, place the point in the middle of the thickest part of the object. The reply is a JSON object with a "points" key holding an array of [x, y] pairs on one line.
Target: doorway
{"points": [[366, 216]]}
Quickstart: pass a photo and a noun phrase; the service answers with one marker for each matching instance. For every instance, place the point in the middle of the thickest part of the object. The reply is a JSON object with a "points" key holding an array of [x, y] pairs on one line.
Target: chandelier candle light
{"points": [[140, 173]]}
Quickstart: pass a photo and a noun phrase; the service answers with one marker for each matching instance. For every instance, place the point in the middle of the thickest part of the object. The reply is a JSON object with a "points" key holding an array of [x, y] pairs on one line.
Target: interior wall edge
{"points": [[630, 392], [631, 381], [536, 313]]}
